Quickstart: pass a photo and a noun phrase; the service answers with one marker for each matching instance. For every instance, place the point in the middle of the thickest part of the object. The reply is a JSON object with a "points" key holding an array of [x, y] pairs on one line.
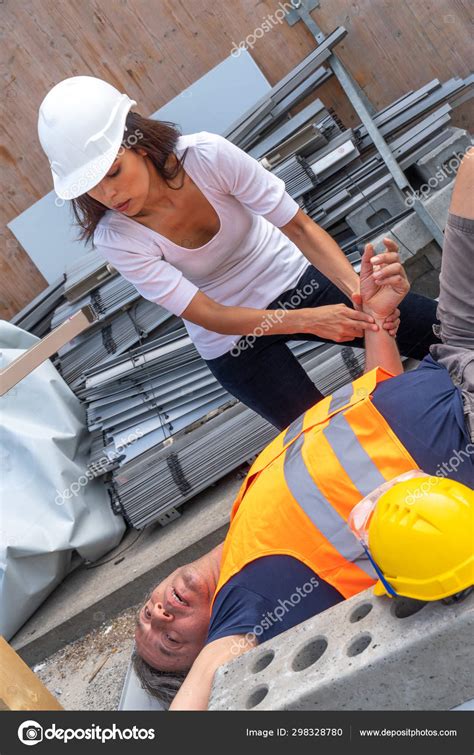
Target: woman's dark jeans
{"points": [[269, 379]]}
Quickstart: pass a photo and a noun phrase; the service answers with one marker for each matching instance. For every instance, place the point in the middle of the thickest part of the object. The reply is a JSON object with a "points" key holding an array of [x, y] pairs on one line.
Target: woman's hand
{"points": [[336, 322], [383, 282], [391, 322]]}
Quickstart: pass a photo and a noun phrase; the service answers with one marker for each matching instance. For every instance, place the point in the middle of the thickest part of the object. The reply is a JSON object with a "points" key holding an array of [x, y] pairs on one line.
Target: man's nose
{"points": [[159, 614]]}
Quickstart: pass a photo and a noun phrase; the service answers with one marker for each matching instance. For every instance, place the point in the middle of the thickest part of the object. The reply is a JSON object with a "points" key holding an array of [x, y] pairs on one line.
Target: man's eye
{"points": [[171, 639], [147, 613], [111, 175]]}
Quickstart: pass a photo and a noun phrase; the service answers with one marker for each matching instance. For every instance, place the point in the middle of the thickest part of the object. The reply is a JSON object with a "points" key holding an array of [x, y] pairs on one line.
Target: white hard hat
{"points": [[81, 124]]}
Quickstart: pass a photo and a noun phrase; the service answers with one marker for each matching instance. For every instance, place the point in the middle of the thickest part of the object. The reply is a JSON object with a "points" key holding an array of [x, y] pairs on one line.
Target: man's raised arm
{"points": [[383, 285]]}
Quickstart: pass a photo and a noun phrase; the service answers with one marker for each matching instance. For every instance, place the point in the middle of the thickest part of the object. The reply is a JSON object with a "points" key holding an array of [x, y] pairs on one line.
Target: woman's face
{"points": [[127, 184]]}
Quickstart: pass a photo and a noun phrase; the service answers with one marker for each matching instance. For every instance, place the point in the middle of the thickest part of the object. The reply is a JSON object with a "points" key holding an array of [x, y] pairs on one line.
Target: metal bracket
{"points": [[292, 16], [168, 516]]}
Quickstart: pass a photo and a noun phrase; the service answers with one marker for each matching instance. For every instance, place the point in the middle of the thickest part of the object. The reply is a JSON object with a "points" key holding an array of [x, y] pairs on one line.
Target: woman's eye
{"points": [[147, 613], [111, 175]]}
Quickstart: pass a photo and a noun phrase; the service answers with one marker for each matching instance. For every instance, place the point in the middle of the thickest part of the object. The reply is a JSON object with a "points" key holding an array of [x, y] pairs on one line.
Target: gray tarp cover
{"points": [[49, 506]]}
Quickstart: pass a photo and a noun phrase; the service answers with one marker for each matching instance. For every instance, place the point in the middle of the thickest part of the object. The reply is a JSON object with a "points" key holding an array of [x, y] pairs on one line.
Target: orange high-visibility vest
{"points": [[299, 492]]}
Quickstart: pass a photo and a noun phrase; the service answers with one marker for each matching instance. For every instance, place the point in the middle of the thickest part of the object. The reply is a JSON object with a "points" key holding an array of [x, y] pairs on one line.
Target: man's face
{"points": [[127, 180], [172, 625]]}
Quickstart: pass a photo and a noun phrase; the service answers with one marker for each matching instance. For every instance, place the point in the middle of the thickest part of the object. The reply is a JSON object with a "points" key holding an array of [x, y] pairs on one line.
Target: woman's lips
{"points": [[122, 207]]}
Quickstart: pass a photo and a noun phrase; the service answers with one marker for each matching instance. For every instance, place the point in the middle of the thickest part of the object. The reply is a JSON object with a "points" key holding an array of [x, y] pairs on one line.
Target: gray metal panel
{"points": [[215, 100]]}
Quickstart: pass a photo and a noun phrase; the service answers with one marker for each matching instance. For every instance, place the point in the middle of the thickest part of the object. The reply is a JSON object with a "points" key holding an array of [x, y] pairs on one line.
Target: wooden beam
{"points": [[20, 688], [33, 357]]}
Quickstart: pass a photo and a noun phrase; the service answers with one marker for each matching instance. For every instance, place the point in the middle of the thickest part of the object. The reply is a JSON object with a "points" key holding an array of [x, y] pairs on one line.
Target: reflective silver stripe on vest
{"points": [[294, 429], [352, 457], [324, 516], [340, 397]]}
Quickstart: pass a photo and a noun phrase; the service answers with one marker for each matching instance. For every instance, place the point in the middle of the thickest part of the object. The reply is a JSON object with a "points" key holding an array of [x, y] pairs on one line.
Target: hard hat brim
{"points": [[87, 176]]}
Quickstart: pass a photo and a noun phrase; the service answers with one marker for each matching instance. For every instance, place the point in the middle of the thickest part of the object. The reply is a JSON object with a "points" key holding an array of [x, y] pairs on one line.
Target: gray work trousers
{"points": [[456, 310]]}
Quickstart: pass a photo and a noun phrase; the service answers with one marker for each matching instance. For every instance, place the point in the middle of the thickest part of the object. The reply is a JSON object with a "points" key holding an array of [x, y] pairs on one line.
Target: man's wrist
{"points": [[379, 319]]}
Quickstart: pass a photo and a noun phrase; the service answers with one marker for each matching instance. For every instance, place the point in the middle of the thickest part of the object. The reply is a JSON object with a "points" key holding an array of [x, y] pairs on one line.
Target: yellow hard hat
{"points": [[421, 537]]}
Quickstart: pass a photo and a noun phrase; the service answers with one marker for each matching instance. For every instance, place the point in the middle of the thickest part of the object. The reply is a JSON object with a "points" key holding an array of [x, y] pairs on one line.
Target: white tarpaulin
{"points": [[49, 505]]}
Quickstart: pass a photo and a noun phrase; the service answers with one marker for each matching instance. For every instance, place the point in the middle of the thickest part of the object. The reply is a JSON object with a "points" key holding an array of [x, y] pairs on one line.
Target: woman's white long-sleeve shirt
{"points": [[248, 263]]}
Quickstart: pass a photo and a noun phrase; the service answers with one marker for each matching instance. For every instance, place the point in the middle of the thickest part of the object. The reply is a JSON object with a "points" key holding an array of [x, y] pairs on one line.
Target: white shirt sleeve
{"points": [[153, 277], [242, 176]]}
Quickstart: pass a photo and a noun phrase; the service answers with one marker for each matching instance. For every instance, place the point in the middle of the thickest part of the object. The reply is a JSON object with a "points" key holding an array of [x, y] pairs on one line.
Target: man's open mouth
{"points": [[176, 595]]}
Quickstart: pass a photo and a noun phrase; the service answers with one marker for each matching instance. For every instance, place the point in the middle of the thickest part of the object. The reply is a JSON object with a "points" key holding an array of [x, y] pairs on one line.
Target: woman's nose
{"points": [[107, 194]]}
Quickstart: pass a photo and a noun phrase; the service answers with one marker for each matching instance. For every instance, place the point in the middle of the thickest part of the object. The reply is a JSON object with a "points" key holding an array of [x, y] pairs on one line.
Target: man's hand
{"points": [[383, 281]]}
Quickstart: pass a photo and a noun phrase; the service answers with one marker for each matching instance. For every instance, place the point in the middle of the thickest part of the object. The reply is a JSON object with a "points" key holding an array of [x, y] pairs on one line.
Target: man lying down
{"points": [[318, 517]]}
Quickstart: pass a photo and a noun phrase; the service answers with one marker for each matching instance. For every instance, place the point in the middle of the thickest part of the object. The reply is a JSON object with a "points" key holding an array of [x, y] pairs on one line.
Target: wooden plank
{"points": [[46, 347], [153, 50], [20, 688]]}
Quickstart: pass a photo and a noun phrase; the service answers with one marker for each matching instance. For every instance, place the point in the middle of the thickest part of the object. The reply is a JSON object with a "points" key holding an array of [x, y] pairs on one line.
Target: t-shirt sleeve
{"points": [[140, 264], [253, 185], [236, 610]]}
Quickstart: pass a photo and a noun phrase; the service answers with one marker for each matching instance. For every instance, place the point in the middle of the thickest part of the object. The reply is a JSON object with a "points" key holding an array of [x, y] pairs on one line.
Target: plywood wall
{"points": [[152, 49]]}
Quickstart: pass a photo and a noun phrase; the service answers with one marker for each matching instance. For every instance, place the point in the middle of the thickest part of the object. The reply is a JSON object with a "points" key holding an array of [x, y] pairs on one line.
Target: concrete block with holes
{"points": [[438, 167], [366, 653], [379, 210], [411, 234]]}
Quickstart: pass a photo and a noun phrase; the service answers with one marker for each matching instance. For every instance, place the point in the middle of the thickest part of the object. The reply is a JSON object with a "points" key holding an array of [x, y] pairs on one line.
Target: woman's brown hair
{"points": [[159, 139]]}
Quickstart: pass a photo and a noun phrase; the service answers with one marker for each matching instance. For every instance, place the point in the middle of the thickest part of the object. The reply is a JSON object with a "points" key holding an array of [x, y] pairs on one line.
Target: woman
{"points": [[201, 228]]}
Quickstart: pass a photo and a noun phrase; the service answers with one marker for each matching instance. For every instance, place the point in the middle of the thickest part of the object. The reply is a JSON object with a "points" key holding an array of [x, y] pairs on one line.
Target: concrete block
{"points": [[411, 234], [439, 166], [382, 207], [423, 271], [365, 653], [433, 253]]}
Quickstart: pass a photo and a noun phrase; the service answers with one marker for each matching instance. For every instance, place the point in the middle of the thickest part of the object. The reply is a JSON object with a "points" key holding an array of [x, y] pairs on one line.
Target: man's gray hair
{"points": [[163, 685]]}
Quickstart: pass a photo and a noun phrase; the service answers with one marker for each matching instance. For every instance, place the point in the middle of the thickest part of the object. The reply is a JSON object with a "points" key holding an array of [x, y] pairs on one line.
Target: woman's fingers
{"points": [[355, 314], [392, 318], [392, 325]]}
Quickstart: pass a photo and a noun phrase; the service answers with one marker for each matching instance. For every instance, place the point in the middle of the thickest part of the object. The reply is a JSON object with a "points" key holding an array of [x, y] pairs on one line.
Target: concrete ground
{"points": [[88, 674]]}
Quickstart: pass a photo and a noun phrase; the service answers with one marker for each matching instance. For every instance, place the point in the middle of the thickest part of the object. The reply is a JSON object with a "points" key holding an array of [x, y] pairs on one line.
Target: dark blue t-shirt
{"points": [[268, 596], [425, 411]]}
